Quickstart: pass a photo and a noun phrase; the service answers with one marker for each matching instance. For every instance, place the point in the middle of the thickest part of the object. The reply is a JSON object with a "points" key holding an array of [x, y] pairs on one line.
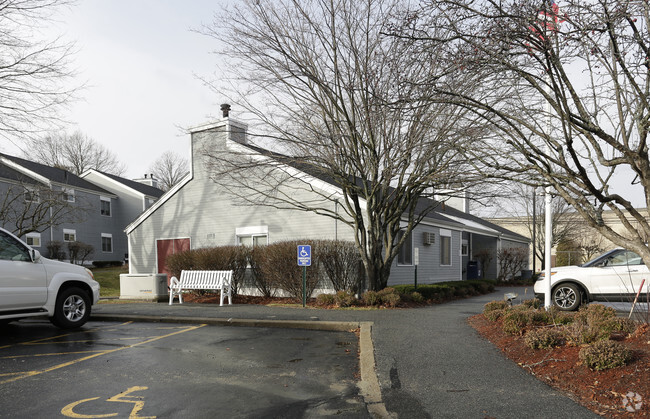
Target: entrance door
{"points": [[166, 248]]}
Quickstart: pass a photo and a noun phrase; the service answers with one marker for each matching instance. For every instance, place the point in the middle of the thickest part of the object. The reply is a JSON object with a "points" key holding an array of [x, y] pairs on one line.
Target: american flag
{"points": [[548, 20]]}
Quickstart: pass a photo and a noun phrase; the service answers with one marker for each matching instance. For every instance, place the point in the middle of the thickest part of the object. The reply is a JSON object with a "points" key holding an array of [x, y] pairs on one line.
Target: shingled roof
{"points": [[52, 174]]}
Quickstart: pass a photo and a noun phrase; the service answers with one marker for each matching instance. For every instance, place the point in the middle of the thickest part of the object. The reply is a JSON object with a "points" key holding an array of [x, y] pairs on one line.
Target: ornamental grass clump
{"points": [[544, 338], [605, 354]]}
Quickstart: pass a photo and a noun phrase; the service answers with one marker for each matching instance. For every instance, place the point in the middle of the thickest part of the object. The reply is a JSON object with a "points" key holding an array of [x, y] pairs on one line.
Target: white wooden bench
{"points": [[201, 280]]}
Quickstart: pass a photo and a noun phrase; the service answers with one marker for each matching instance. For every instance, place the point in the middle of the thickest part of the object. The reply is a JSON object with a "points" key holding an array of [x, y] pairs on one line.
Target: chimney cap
{"points": [[225, 109]]}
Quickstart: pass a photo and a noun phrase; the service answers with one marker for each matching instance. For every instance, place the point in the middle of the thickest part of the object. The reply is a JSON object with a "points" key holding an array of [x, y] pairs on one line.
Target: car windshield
{"points": [[616, 257]]}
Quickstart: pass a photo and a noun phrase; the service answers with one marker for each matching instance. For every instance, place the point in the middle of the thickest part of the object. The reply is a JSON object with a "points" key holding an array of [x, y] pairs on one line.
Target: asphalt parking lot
{"points": [[130, 369]]}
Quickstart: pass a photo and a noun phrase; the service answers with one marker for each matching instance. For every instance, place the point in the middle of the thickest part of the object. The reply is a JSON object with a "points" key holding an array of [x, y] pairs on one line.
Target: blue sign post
{"points": [[304, 260]]}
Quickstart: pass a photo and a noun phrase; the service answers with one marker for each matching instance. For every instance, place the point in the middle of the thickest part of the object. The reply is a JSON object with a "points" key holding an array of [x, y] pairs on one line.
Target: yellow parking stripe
{"points": [[51, 354], [67, 364], [62, 336]]}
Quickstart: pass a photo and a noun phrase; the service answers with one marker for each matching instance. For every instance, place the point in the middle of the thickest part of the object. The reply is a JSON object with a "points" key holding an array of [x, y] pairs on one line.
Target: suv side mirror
{"points": [[35, 255]]}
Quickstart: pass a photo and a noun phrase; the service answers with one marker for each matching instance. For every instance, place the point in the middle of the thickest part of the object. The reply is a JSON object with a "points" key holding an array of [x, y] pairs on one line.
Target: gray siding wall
{"points": [[205, 213], [430, 269]]}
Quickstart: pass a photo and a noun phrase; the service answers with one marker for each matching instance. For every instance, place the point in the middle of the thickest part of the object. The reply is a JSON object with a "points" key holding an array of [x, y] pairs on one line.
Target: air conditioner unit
{"points": [[429, 238]]}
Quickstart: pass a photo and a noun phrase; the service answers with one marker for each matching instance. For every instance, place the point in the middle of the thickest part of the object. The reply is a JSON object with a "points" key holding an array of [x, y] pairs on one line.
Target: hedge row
{"points": [[274, 266], [443, 291]]}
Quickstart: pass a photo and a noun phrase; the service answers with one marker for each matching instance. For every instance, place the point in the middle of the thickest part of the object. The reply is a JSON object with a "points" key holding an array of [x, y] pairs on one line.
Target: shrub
{"points": [[495, 305], [277, 264], [389, 296], [326, 300], [605, 354], [263, 283], [533, 303], [544, 338], [212, 258], [345, 299], [511, 261], [515, 321], [55, 250], [416, 297], [371, 298], [494, 315], [341, 262]]}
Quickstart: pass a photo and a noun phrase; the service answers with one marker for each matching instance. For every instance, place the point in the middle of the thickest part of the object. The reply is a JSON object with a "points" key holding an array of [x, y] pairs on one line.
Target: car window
{"points": [[624, 258], [11, 249]]}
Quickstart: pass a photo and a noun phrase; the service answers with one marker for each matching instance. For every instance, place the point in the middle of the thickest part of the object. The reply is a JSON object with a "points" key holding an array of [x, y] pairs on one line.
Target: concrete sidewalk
{"points": [[428, 361]]}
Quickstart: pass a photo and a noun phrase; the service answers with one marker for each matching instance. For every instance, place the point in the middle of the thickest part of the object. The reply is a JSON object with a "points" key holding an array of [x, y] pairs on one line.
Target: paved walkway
{"points": [[429, 362]]}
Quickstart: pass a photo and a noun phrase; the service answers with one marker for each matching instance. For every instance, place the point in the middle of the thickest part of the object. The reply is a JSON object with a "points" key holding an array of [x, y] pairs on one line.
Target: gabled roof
{"points": [[132, 184], [441, 213], [51, 174]]}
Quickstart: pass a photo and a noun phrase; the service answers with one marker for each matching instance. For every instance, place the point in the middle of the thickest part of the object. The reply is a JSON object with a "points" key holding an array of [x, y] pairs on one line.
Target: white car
{"points": [[31, 285], [616, 275]]}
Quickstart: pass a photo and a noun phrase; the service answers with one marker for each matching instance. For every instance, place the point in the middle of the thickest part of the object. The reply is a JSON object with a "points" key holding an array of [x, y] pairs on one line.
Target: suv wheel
{"points": [[567, 297], [72, 308]]}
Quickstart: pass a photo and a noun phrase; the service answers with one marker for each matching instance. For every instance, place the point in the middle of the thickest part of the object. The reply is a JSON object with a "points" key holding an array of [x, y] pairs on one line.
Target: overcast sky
{"points": [[139, 60]]}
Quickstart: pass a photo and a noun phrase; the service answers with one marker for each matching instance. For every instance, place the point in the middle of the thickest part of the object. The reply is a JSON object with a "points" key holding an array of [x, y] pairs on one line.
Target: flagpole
{"points": [[548, 219]]}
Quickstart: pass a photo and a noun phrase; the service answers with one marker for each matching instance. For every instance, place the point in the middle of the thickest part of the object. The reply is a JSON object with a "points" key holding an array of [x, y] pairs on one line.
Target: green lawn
{"points": [[109, 279]]}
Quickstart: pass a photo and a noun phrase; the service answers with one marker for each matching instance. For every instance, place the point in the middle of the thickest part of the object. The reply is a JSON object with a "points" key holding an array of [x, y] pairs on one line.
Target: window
{"points": [[253, 240], [33, 239], [12, 249], [252, 236], [445, 247], [107, 243], [69, 235], [405, 256], [68, 195], [31, 195], [105, 208], [464, 248]]}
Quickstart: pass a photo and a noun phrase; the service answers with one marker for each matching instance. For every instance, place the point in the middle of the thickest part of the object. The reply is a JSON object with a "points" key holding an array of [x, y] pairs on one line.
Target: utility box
{"points": [[149, 287], [473, 270]]}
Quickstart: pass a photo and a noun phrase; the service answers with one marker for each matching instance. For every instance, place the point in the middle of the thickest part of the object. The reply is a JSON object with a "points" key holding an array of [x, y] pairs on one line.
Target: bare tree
{"points": [[563, 95], [169, 169], [344, 103], [75, 152], [527, 204], [33, 70], [27, 207]]}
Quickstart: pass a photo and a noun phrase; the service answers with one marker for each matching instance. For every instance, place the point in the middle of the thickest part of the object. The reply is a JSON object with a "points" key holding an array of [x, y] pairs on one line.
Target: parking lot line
{"points": [[45, 340], [95, 355]]}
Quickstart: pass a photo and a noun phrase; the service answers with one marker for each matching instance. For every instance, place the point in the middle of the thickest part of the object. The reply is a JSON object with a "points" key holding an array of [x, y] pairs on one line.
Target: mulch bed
{"points": [[609, 393]]}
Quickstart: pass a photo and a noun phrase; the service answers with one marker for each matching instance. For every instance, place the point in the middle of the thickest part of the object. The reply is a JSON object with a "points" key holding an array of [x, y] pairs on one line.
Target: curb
{"points": [[369, 384]]}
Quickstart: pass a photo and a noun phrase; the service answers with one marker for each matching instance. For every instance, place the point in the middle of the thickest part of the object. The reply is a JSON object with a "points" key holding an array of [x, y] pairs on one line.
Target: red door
{"points": [[166, 248]]}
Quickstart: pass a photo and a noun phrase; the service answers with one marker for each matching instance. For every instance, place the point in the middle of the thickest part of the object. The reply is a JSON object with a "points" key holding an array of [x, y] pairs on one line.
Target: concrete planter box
{"points": [[150, 287]]}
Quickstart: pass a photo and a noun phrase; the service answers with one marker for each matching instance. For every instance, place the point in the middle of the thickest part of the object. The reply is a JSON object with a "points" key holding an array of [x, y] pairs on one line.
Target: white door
{"points": [[22, 282]]}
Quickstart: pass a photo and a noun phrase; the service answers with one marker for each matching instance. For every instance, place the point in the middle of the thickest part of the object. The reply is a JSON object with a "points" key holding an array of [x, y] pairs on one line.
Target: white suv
{"points": [[616, 275], [31, 285]]}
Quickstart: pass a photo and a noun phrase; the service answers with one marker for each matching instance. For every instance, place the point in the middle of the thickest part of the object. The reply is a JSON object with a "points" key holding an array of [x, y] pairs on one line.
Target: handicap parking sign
{"points": [[304, 255]]}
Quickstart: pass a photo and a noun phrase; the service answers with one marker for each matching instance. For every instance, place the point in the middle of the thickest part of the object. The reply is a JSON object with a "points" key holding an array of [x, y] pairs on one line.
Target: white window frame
{"points": [[69, 195], [446, 234], [251, 232], [68, 232], [464, 247], [35, 239], [107, 236], [103, 199], [32, 195]]}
